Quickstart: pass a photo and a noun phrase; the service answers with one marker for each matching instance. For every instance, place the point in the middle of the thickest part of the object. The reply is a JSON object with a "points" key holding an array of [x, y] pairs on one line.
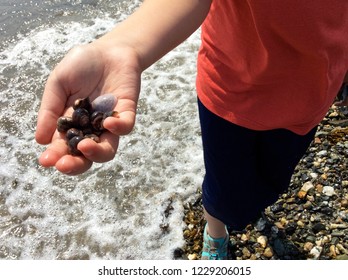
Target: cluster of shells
{"points": [[86, 121]]}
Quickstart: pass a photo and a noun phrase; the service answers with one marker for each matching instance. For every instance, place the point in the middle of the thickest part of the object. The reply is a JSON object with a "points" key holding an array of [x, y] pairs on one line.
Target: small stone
{"points": [[344, 203], [338, 226], [284, 221], [262, 240], [318, 227], [337, 233], [246, 252], [341, 248], [192, 256], [308, 205], [333, 252], [244, 237], [342, 257], [279, 225], [260, 225], [311, 238], [328, 191], [319, 188], [333, 114], [304, 190], [268, 253], [322, 153], [300, 224], [308, 246], [315, 252]]}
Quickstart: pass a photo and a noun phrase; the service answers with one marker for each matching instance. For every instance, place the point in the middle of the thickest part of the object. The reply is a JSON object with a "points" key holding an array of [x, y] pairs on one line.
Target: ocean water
{"points": [[128, 208]]}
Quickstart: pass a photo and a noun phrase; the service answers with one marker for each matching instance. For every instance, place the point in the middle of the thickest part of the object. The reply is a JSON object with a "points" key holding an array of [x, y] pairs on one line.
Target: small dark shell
{"points": [[80, 117], [72, 144], [87, 130], [64, 124], [110, 114], [72, 132], [97, 120], [83, 103], [94, 137]]}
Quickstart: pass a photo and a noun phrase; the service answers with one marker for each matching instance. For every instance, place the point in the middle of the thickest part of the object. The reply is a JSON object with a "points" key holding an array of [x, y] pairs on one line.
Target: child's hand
{"points": [[88, 71]]}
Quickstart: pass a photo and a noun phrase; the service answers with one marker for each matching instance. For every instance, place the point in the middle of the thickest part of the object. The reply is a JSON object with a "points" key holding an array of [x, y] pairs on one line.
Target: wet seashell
{"points": [[104, 103], [97, 120], [88, 130], [110, 114], [72, 144], [83, 103], [94, 137], [72, 132], [80, 117], [64, 124]]}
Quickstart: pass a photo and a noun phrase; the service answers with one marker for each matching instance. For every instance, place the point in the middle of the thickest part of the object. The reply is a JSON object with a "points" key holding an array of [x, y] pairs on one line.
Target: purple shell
{"points": [[104, 103]]}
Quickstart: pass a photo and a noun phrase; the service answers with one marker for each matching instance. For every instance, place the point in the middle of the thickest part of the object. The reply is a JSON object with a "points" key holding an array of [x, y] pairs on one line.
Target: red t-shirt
{"points": [[267, 64]]}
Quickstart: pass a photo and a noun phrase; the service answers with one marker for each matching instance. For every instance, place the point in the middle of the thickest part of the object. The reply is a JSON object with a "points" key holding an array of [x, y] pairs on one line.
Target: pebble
{"points": [[304, 190], [315, 252], [262, 240], [328, 191], [192, 257], [268, 253], [308, 246]]}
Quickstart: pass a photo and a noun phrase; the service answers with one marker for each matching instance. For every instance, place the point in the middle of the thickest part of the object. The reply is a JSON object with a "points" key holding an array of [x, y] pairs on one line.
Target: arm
{"points": [[157, 27], [112, 64]]}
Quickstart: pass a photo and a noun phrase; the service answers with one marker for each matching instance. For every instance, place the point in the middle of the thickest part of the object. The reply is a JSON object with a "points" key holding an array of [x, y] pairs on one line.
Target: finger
{"points": [[122, 124], [100, 152], [53, 153], [52, 106], [57, 156], [73, 165]]}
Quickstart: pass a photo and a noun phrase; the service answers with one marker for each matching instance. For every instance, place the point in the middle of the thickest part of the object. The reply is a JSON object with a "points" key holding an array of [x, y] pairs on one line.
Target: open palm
{"points": [[88, 71]]}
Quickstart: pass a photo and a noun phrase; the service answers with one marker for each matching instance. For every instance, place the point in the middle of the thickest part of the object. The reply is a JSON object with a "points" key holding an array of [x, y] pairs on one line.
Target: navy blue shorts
{"points": [[246, 170]]}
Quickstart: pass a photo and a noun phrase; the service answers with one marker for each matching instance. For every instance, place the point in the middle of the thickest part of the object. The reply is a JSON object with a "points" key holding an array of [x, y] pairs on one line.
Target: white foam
{"points": [[115, 210]]}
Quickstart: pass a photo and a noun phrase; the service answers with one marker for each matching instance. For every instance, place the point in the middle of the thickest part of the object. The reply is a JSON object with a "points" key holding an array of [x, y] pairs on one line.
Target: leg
{"points": [[231, 171], [215, 228]]}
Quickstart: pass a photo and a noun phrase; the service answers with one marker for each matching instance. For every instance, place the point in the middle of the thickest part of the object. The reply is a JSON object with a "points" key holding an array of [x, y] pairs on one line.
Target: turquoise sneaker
{"points": [[214, 248]]}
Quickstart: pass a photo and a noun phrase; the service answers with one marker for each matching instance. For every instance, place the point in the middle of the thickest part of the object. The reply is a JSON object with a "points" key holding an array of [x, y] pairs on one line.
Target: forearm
{"points": [[346, 78], [157, 27]]}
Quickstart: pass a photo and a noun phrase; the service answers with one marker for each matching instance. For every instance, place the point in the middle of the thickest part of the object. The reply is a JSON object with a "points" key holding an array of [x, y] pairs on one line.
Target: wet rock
{"points": [[315, 252], [304, 190], [342, 257], [318, 227], [268, 253], [328, 191], [262, 240]]}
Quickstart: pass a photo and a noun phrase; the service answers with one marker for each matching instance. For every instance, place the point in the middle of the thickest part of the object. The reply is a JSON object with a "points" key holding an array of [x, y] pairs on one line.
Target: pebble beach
{"points": [[309, 221]]}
